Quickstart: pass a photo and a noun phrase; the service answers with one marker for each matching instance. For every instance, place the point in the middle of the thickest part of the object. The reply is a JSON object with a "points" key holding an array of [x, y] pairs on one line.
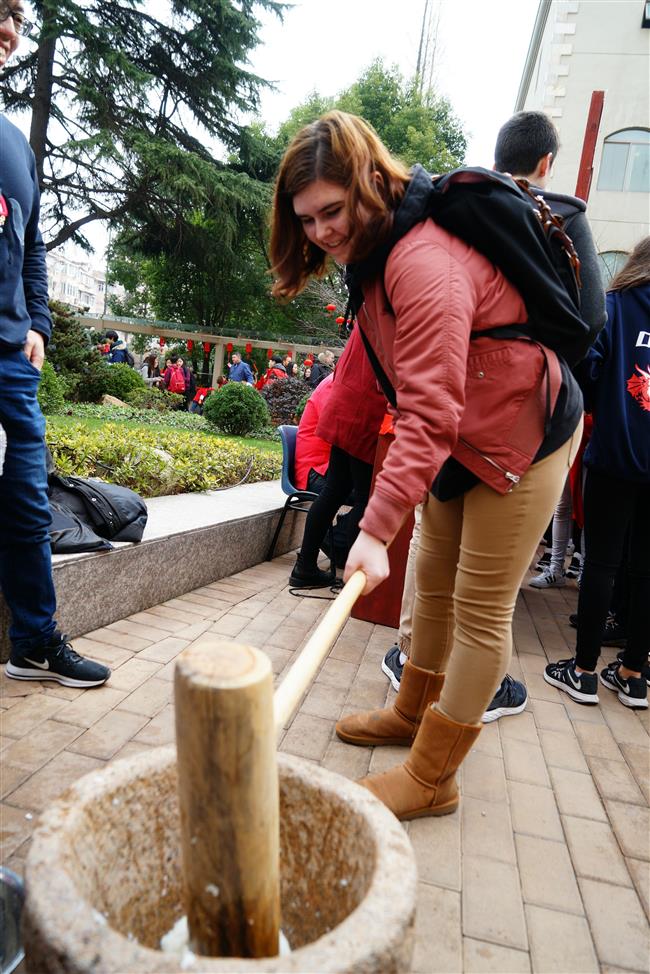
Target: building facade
{"points": [[78, 283], [582, 47]]}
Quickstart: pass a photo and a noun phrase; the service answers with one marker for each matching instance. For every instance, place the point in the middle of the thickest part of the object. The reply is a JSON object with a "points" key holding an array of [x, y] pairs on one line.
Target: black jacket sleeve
{"points": [[592, 295]]}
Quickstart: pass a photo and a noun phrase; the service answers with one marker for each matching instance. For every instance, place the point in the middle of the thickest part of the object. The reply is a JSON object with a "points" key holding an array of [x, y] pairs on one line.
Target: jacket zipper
{"points": [[512, 477]]}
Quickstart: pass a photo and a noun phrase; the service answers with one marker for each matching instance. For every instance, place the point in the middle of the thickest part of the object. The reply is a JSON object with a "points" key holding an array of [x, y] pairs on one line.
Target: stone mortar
{"points": [[104, 881]]}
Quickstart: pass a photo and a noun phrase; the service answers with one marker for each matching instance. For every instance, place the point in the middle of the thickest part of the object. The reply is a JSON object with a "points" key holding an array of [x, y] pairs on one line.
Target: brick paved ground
{"points": [[544, 868]]}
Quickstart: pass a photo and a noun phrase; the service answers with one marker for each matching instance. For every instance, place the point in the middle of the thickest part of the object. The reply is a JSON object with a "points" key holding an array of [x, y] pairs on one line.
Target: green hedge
{"points": [[237, 409], [51, 390], [143, 417], [153, 462], [121, 380]]}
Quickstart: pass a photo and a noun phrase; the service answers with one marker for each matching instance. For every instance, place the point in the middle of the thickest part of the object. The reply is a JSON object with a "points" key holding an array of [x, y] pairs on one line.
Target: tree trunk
{"points": [[42, 102]]}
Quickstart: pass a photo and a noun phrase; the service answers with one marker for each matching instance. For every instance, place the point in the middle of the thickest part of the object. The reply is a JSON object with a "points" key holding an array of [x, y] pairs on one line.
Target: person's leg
{"points": [[392, 665], [554, 576], [608, 503], [499, 537], [338, 484], [608, 508], [315, 481], [435, 577], [361, 474], [638, 627], [405, 631], [628, 676], [621, 592], [337, 487], [25, 555], [38, 650], [418, 686]]}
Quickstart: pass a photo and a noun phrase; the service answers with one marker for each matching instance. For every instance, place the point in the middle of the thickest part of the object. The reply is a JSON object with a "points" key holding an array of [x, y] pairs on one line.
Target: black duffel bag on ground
{"points": [[70, 535], [113, 512]]}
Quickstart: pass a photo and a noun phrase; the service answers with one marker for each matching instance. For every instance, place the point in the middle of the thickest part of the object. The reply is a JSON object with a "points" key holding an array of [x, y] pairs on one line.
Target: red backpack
{"points": [[177, 379]]}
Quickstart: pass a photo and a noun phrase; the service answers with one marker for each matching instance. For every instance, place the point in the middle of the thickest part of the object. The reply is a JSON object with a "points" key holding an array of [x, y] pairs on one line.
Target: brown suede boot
{"points": [[399, 723], [426, 783]]}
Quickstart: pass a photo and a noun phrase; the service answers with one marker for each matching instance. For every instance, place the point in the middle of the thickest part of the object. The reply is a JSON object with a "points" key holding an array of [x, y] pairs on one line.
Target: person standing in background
{"points": [[39, 651]]}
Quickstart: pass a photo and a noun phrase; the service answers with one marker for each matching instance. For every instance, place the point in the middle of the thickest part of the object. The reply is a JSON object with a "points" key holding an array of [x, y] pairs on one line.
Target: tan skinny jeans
{"points": [[473, 555]]}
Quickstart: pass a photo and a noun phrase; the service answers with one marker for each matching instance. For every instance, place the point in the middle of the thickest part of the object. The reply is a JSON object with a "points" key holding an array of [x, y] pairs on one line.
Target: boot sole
{"points": [[435, 812], [374, 741]]}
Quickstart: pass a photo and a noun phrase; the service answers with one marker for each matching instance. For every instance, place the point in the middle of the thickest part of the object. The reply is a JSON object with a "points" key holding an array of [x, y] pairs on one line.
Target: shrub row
{"points": [[153, 462], [143, 417]]}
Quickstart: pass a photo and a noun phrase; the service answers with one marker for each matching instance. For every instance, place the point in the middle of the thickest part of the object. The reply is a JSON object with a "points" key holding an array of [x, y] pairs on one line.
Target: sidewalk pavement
{"points": [[545, 867]]}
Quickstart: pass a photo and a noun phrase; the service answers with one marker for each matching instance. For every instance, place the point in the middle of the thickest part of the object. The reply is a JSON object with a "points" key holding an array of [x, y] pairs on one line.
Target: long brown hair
{"points": [[341, 149], [636, 270]]}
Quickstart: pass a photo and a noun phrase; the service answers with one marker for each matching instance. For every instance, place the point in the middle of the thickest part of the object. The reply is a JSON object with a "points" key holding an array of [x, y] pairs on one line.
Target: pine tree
{"points": [[118, 93], [73, 355]]}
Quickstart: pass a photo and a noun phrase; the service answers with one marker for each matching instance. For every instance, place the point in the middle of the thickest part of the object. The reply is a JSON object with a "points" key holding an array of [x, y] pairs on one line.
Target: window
{"points": [[611, 262], [625, 163]]}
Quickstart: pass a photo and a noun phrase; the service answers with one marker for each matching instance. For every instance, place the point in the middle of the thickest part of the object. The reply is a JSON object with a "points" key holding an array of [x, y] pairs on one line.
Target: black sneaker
{"points": [[645, 672], [582, 687], [575, 567], [632, 691], [511, 698], [56, 661], [544, 561], [614, 634], [309, 577], [391, 666]]}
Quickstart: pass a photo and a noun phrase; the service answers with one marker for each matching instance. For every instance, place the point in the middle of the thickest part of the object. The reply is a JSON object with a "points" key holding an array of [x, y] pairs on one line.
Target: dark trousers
{"points": [[612, 508], [344, 474], [25, 557]]}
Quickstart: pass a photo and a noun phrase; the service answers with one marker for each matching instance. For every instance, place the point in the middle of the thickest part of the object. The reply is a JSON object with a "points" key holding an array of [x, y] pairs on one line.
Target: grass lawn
{"points": [[266, 446]]}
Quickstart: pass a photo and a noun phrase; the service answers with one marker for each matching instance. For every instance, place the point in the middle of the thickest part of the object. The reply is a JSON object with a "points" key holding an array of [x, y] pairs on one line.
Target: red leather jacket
{"points": [[484, 401], [355, 410]]}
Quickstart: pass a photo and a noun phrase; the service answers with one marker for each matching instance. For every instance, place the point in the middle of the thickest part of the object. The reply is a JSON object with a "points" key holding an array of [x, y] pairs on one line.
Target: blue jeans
{"points": [[25, 556]]}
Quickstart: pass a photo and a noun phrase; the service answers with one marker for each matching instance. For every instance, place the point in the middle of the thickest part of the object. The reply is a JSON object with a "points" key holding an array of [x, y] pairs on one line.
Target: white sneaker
{"points": [[549, 579]]}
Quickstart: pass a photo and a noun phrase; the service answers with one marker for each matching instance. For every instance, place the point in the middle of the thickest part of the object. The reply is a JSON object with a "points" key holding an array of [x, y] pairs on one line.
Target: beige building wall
{"points": [[579, 46]]}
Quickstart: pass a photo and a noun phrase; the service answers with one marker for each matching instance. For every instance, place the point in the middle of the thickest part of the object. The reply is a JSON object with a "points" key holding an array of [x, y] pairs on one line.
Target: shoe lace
{"points": [[66, 653]]}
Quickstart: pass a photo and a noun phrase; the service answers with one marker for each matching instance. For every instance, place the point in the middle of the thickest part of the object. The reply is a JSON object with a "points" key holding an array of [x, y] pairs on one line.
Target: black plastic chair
{"points": [[297, 500]]}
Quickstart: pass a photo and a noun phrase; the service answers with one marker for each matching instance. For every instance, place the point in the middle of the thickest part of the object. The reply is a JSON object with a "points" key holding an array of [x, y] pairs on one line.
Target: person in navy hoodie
{"points": [[615, 379], [38, 650]]}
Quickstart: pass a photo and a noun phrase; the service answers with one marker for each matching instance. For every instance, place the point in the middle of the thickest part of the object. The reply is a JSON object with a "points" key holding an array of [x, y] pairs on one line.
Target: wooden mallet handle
{"points": [[291, 690]]}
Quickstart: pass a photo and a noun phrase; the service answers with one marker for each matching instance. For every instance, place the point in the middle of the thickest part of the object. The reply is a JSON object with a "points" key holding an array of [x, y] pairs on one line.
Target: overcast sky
{"points": [[326, 44]]}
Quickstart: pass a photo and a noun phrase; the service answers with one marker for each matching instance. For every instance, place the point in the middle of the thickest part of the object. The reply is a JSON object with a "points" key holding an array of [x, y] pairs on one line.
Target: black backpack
{"points": [[514, 227], [129, 358]]}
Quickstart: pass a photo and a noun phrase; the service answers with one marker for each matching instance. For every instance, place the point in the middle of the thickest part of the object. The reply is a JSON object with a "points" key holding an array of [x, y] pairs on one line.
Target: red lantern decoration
{"points": [[206, 347], [340, 320], [190, 344], [249, 348], [269, 352], [161, 341], [229, 347], [330, 307]]}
